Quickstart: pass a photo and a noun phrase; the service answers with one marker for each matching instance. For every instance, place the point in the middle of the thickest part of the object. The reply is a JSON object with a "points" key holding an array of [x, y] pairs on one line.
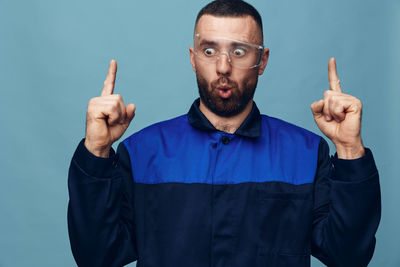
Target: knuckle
{"points": [[108, 108], [118, 97], [93, 105], [92, 102], [331, 101], [90, 109], [114, 107]]}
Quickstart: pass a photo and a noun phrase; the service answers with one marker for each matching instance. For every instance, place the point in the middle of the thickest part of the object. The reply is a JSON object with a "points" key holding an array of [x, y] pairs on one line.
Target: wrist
{"points": [[353, 151], [98, 151]]}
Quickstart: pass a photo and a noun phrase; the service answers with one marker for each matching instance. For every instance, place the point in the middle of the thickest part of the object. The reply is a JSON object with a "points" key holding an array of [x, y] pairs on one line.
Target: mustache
{"points": [[224, 81]]}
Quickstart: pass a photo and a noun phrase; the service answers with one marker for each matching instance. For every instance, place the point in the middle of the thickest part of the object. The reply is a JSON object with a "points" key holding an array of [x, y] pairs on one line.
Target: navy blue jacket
{"points": [[181, 193]]}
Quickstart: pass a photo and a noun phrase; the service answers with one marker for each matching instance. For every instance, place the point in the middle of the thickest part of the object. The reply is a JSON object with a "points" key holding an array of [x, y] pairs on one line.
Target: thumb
{"points": [[317, 107], [130, 112]]}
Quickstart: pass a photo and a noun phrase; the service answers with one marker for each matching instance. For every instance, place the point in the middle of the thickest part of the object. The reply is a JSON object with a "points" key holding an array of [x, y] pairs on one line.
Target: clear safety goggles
{"points": [[240, 54]]}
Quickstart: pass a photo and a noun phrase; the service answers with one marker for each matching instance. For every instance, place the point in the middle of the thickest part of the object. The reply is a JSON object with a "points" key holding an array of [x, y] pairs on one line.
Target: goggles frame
{"points": [[227, 53]]}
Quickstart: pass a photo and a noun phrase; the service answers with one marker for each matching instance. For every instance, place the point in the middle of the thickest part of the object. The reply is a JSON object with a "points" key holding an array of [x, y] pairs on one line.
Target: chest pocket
{"points": [[285, 219]]}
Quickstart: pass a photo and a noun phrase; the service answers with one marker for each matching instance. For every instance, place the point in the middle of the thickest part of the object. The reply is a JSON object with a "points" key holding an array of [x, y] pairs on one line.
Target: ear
{"points": [[264, 61], [192, 60]]}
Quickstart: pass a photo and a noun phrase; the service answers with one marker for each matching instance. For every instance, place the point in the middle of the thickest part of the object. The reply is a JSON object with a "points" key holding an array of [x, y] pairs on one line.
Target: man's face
{"points": [[224, 89]]}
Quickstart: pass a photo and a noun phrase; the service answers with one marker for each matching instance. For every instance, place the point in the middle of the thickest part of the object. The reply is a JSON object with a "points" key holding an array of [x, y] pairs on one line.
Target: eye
{"points": [[209, 52], [239, 52]]}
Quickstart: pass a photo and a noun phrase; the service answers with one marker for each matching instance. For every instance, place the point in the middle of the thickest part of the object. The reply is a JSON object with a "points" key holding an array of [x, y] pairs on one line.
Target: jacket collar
{"points": [[251, 126]]}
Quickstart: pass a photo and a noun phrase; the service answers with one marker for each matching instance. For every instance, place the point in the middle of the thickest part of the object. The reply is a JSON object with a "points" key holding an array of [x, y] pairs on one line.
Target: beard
{"points": [[225, 107]]}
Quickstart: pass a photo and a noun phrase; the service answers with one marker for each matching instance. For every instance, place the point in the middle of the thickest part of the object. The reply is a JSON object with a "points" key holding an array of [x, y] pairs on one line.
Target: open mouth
{"points": [[224, 88], [224, 92]]}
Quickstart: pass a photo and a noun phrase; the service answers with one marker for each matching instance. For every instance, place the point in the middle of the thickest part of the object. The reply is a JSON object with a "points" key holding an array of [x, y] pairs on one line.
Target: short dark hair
{"points": [[231, 8]]}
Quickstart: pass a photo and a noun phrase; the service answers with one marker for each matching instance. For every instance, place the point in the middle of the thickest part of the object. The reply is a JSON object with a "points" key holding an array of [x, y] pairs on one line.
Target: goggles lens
{"points": [[240, 54]]}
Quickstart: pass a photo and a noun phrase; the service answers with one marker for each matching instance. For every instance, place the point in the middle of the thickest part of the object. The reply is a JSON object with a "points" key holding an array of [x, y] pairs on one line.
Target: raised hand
{"points": [[338, 116], [107, 117]]}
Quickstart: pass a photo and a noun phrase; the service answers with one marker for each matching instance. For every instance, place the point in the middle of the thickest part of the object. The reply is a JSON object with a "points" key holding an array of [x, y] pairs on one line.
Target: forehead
{"points": [[240, 28]]}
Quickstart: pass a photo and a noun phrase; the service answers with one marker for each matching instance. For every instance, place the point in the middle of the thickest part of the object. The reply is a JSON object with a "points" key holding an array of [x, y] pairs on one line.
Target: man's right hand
{"points": [[107, 117]]}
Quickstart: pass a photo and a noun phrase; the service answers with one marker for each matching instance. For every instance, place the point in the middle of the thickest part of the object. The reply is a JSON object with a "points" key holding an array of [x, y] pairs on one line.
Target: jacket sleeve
{"points": [[347, 209], [101, 221]]}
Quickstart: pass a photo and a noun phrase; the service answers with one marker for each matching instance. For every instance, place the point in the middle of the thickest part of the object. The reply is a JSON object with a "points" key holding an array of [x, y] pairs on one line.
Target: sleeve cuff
{"points": [[354, 169], [93, 165]]}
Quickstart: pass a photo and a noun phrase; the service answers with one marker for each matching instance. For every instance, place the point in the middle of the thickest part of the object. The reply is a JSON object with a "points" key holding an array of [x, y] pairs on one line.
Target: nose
{"points": [[224, 64]]}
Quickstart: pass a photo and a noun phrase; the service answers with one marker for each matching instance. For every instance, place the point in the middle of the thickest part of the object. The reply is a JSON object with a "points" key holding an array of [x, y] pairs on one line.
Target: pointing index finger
{"points": [[109, 83], [334, 82]]}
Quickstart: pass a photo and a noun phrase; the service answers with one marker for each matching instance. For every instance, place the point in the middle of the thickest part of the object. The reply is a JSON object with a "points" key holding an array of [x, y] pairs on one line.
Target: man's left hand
{"points": [[338, 116]]}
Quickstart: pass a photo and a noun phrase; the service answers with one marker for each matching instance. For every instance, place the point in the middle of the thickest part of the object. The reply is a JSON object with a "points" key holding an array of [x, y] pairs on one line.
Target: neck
{"points": [[228, 125]]}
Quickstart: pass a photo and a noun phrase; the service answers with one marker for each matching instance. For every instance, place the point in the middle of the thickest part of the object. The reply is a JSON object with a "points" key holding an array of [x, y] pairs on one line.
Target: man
{"points": [[224, 185]]}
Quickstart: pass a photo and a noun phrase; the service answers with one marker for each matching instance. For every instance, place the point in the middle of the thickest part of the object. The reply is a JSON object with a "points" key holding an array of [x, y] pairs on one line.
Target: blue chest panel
{"points": [[175, 151]]}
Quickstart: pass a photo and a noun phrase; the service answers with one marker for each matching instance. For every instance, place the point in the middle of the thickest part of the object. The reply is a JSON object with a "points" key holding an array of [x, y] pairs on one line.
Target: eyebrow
{"points": [[213, 43], [207, 42]]}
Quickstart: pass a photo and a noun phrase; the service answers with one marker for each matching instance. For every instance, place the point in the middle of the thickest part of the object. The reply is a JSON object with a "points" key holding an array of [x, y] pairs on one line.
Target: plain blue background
{"points": [[54, 57]]}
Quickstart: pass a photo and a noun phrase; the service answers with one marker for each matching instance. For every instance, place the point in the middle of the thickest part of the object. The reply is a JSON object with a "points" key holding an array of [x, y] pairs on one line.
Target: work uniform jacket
{"points": [[180, 193]]}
